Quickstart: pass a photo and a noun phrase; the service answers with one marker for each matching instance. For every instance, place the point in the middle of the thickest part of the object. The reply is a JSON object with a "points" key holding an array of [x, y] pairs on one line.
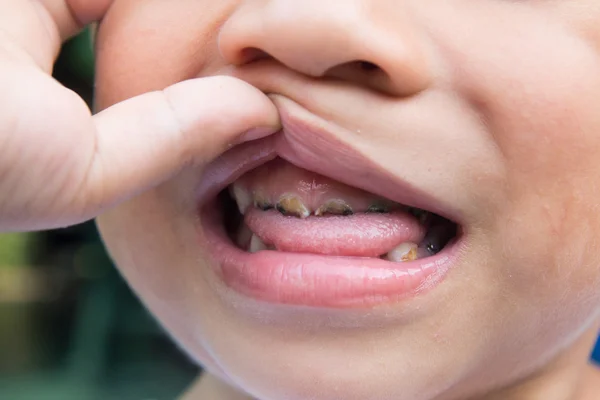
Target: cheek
{"points": [[146, 238], [152, 242], [537, 90], [548, 133], [535, 86], [149, 45]]}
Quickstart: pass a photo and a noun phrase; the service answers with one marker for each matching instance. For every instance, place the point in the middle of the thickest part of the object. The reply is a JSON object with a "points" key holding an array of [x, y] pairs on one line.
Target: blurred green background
{"points": [[70, 328]]}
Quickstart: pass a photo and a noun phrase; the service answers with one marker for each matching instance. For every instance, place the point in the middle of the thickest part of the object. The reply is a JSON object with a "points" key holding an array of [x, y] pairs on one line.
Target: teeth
{"points": [[422, 215], [256, 245], [262, 204], [405, 252], [335, 207], [243, 236], [378, 208], [292, 206], [241, 197]]}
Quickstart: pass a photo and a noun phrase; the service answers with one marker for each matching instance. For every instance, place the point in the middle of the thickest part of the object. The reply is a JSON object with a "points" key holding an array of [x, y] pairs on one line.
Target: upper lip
{"points": [[314, 144]]}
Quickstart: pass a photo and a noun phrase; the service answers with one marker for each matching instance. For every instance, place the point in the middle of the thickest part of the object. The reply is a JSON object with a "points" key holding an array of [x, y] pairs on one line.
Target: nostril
{"points": [[354, 69], [361, 72], [358, 66], [367, 66], [252, 54]]}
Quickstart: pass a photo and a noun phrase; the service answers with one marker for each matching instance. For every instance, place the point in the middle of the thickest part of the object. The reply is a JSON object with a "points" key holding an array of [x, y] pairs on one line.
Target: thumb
{"points": [[143, 141]]}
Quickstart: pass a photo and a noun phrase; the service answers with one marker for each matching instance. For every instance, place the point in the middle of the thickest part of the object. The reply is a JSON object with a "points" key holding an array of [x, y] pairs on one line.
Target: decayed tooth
{"points": [[241, 197], [335, 207], [379, 208], [292, 206], [243, 236], [256, 245], [405, 252], [421, 215], [262, 203]]}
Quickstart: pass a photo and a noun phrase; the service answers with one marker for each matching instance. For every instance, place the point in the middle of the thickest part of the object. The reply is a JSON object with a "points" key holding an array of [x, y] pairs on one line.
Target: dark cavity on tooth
{"points": [[422, 215], [335, 207], [378, 209], [288, 213], [264, 206], [282, 210], [292, 206]]}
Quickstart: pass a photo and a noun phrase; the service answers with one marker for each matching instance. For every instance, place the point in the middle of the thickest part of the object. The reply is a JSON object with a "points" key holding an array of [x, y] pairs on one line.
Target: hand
{"points": [[59, 165]]}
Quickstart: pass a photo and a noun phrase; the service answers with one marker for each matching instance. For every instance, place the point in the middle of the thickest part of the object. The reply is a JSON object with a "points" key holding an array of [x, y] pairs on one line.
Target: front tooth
{"points": [[256, 245], [292, 205], [335, 207], [405, 252], [241, 197], [262, 203]]}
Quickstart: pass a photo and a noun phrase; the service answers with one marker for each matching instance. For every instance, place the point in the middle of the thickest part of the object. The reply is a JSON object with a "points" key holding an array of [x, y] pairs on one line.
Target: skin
{"points": [[505, 91]]}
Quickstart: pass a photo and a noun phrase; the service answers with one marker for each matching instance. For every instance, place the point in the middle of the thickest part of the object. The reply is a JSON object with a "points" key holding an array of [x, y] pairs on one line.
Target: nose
{"points": [[374, 43]]}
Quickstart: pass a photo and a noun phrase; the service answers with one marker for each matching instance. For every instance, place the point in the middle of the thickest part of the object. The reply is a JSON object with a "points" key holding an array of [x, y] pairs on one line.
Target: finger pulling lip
{"points": [[309, 143], [309, 279]]}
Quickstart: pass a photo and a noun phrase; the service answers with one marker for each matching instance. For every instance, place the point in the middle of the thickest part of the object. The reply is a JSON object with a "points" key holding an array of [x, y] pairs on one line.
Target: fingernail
{"points": [[255, 133]]}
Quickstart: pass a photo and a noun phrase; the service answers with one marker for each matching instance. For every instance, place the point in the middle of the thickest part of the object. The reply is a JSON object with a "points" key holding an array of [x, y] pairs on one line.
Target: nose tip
{"points": [[375, 47]]}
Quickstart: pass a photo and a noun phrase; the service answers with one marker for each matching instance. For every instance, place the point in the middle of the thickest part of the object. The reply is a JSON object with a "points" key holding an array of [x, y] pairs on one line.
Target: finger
{"points": [[71, 15], [38, 27], [144, 141]]}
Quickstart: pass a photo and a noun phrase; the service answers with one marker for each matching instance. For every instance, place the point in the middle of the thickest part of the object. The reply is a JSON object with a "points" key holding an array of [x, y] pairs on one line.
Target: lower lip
{"points": [[321, 281]]}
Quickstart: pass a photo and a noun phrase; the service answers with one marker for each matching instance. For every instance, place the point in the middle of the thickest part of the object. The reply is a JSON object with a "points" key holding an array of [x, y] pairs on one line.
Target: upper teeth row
{"points": [[292, 205], [288, 204]]}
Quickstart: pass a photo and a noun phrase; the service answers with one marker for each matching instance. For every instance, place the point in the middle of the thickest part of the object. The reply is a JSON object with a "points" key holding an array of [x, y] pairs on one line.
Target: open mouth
{"points": [[299, 219], [280, 207]]}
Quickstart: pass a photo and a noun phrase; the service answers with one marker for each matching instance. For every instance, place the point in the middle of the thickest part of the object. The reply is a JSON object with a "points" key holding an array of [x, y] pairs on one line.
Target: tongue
{"points": [[358, 235]]}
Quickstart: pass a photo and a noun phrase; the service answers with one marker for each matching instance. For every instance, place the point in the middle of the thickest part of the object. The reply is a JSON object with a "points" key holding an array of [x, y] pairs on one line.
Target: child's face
{"points": [[488, 109]]}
